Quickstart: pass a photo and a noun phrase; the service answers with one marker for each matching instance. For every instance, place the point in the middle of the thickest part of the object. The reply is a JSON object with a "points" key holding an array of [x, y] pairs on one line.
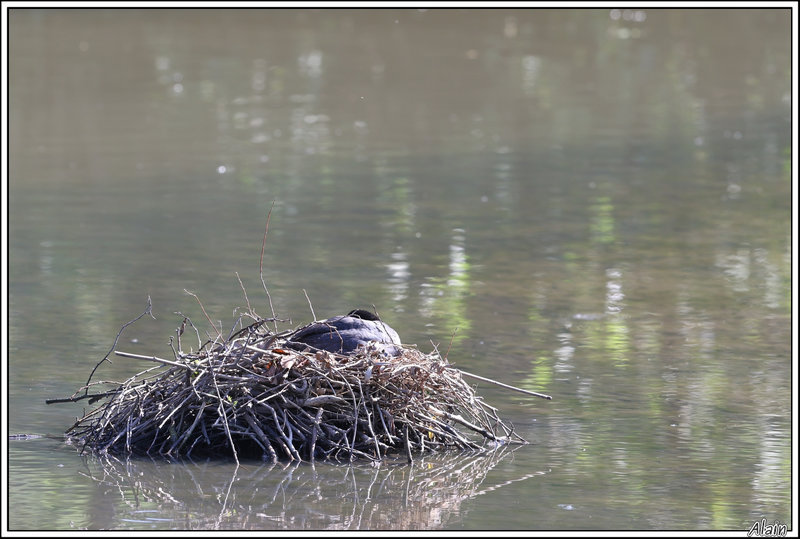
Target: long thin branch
{"points": [[501, 384], [314, 316], [261, 267], [219, 333], [93, 397], [148, 310], [154, 358], [246, 299], [224, 416]]}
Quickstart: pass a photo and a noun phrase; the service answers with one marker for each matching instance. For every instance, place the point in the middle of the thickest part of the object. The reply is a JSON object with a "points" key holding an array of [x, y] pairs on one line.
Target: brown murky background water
{"points": [[593, 204]]}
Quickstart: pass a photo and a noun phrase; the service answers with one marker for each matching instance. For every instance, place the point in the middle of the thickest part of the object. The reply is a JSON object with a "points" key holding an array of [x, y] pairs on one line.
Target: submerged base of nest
{"points": [[250, 396]]}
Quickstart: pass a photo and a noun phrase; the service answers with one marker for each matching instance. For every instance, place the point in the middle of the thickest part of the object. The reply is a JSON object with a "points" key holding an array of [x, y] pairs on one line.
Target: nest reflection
{"points": [[391, 495]]}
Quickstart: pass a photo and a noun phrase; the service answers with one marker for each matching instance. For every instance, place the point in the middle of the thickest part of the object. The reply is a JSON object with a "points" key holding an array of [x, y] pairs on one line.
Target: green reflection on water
{"points": [[599, 204], [616, 341], [603, 220]]}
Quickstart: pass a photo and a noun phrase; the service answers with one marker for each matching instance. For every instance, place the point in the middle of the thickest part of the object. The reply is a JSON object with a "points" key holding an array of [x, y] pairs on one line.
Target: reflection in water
{"points": [[603, 222], [425, 495], [614, 294], [598, 200], [737, 268], [445, 296], [398, 276]]}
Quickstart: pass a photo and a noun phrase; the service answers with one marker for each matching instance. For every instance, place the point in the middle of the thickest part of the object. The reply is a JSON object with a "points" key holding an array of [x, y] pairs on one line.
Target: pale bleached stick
{"points": [[501, 384], [154, 358]]}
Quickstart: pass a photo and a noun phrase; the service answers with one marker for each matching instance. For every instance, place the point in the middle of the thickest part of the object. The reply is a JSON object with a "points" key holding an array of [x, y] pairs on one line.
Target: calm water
{"points": [[594, 204]]}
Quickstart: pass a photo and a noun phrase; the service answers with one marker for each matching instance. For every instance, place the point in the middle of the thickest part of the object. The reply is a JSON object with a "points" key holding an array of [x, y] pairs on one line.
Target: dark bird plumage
{"points": [[344, 334]]}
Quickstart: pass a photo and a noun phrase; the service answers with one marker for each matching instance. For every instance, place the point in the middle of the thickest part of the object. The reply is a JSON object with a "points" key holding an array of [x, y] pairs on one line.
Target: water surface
{"points": [[593, 204]]}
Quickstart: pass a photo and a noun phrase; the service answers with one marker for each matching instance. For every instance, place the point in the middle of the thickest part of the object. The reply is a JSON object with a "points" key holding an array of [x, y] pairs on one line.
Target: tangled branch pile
{"points": [[249, 395]]}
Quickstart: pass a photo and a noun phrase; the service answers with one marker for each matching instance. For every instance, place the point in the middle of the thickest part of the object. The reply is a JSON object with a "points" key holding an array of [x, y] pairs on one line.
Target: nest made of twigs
{"points": [[251, 396]]}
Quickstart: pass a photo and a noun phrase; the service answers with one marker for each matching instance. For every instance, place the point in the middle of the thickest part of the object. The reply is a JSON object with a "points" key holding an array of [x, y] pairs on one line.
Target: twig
{"points": [[261, 266], [246, 299], [219, 333], [452, 337], [501, 384], [314, 316], [148, 310], [408, 446], [314, 431], [154, 358], [95, 396], [224, 416]]}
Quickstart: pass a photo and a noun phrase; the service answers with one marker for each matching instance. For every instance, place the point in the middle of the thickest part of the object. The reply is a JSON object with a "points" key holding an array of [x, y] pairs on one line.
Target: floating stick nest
{"points": [[250, 395]]}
